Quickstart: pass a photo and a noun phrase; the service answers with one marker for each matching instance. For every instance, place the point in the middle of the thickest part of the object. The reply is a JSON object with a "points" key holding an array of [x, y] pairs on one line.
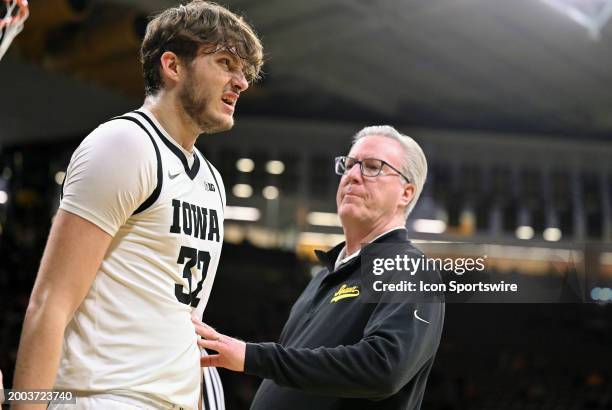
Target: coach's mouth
{"points": [[348, 195]]}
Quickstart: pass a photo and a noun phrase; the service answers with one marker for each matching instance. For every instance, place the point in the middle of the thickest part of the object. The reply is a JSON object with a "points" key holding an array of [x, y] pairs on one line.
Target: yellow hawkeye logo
{"points": [[345, 292]]}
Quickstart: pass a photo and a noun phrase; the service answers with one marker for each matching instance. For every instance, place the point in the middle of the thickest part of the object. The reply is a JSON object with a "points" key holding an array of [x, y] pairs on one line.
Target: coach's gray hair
{"points": [[414, 165]]}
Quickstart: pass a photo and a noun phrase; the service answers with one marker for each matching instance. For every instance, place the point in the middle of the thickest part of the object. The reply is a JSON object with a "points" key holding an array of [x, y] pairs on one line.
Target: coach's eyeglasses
{"points": [[370, 167]]}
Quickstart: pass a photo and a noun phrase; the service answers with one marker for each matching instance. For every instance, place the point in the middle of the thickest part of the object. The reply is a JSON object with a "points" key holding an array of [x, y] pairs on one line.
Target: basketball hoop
{"points": [[11, 24]]}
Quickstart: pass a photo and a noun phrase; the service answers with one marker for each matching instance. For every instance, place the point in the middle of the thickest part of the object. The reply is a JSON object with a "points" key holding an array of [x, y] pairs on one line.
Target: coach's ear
{"points": [[170, 68], [407, 194]]}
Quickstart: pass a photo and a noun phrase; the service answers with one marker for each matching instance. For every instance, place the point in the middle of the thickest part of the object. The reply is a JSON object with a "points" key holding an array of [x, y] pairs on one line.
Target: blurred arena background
{"points": [[511, 101]]}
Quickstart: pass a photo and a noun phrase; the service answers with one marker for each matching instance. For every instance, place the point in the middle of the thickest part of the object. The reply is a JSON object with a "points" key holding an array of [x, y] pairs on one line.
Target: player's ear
{"points": [[170, 66]]}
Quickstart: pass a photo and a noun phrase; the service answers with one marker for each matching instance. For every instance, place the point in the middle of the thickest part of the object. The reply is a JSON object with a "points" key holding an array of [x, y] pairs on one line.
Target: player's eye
{"points": [[226, 62]]}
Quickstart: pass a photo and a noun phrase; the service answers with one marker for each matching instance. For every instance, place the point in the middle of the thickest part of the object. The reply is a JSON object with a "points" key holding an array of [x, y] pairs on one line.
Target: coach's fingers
{"points": [[210, 344], [212, 360], [197, 321], [206, 331]]}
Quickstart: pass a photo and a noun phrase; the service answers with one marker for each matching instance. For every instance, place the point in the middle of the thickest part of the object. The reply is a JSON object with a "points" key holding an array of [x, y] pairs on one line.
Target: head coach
{"points": [[336, 352]]}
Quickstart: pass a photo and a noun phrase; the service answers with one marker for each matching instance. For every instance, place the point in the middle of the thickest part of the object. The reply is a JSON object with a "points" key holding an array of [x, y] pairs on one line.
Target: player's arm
{"points": [[103, 187], [73, 254]]}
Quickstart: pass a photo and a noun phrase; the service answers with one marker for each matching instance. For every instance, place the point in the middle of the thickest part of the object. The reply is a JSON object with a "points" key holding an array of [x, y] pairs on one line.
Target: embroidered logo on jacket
{"points": [[344, 292]]}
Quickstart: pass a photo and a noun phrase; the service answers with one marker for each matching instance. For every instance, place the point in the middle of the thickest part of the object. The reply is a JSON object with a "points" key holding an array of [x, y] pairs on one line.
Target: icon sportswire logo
{"points": [[344, 292]]}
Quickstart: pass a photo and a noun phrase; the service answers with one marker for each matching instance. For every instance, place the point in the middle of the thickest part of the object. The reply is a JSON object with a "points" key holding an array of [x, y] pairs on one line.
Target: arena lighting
{"points": [[595, 293], [270, 192], [245, 165], [606, 258], [605, 294], [323, 219], [524, 232], [242, 213], [552, 234], [530, 253], [591, 14], [601, 294], [275, 167], [319, 239], [233, 233], [242, 190], [429, 226], [3, 197], [59, 177]]}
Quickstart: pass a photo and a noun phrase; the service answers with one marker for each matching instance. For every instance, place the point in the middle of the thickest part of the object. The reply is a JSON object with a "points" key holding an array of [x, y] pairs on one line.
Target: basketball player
{"points": [[134, 247]]}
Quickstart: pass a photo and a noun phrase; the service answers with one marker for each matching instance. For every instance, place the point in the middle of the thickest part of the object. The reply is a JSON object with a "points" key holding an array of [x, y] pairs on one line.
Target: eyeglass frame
{"points": [[360, 162]]}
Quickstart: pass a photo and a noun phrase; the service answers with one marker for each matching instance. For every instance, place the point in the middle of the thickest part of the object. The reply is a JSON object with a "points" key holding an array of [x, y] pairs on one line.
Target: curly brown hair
{"points": [[186, 28]]}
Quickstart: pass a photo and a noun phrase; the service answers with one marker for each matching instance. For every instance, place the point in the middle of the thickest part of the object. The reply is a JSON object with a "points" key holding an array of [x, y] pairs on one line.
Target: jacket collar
{"points": [[328, 259]]}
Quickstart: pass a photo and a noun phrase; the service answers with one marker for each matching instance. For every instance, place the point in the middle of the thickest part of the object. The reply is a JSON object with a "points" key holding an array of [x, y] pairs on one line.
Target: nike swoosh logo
{"points": [[417, 316], [172, 176]]}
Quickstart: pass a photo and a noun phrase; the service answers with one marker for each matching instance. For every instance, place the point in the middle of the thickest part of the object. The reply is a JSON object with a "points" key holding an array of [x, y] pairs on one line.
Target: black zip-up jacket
{"points": [[347, 354]]}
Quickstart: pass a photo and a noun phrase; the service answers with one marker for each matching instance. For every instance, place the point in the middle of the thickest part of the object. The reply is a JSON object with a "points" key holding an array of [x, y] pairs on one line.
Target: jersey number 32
{"points": [[192, 258]]}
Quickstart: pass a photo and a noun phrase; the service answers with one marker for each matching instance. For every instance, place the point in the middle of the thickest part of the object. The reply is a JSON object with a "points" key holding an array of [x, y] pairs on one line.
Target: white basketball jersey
{"points": [[164, 208]]}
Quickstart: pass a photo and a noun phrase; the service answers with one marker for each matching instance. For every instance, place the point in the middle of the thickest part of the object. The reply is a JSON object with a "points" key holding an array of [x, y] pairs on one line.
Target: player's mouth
{"points": [[229, 100]]}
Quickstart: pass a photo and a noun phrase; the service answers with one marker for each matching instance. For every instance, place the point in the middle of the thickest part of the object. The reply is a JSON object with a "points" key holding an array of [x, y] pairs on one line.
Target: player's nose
{"points": [[240, 82]]}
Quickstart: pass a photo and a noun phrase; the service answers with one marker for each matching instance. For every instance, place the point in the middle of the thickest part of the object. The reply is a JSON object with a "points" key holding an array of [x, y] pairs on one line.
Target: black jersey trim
{"points": [[195, 167], [63, 182], [213, 382], [160, 173], [215, 179]]}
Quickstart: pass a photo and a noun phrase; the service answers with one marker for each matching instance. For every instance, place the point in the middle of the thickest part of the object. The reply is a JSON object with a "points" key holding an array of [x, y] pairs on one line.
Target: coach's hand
{"points": [[231, 352]]}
